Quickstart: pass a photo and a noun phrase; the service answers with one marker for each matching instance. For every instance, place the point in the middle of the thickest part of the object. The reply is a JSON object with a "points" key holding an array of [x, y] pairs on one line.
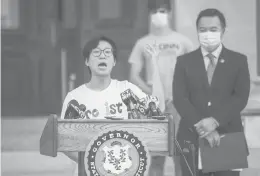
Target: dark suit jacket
{"points": [[224, 99]]}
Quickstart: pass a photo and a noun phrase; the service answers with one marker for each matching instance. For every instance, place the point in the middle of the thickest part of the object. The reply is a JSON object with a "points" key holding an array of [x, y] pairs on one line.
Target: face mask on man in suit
{"points": [[210, 40]]}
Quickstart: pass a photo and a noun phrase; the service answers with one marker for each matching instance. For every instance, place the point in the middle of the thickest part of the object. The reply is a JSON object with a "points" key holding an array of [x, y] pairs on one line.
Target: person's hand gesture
{"points": [[152, 50]]}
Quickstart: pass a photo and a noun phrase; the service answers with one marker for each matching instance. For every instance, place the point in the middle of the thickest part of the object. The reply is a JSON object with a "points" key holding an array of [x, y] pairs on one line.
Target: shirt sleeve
{"points": [[136, 56], [67, 99]]}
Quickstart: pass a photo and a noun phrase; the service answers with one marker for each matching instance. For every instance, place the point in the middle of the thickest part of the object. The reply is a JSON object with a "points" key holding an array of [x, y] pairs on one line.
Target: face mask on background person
{"points": [[209, 40], [159, 19]]}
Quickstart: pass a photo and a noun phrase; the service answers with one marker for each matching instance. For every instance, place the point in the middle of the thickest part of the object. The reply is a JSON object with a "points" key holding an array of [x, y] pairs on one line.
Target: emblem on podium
{"points": [[116, 153]]}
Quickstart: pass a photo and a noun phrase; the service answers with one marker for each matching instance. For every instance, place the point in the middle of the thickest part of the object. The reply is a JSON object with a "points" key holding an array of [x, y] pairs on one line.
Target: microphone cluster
{"points": [[137, 108], [75, 110]]}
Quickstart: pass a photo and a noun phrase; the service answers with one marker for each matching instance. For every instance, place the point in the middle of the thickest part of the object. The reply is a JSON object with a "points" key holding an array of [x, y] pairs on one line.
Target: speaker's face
{"points": [[101, 60]]}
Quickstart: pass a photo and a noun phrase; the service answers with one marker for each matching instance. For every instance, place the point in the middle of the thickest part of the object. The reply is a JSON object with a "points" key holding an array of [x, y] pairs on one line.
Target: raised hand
{"points": [[152, 50]]}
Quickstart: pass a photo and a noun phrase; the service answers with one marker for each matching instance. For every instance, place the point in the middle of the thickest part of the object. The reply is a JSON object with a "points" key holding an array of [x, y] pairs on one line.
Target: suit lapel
{"points": [[219, 67]]}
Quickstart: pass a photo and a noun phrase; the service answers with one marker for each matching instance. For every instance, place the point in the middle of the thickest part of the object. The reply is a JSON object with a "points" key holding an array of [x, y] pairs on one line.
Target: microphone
{"points": [[129, 99], [75, 111], [139, 105], [134, 112], [154, 112], [80, 112], [125, 97], [141, 108], [191, 169], [153, 109], [70, 112], [134, 98], [82, 107]]}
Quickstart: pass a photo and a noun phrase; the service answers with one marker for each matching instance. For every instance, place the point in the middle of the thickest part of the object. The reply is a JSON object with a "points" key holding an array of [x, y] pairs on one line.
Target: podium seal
{"points": [[116, 153]]}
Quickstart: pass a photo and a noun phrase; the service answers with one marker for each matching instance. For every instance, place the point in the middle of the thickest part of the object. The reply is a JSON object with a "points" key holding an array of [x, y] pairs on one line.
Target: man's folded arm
{"points": [[181, 94], [238, 101]]}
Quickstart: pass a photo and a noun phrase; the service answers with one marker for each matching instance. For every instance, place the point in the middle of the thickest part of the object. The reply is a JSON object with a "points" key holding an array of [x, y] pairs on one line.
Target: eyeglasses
{"points": [[97, 52]]}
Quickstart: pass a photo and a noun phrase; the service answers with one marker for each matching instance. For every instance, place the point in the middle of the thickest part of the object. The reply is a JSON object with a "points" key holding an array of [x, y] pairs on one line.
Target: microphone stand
{"points": [[193, 151], [193, 173]]}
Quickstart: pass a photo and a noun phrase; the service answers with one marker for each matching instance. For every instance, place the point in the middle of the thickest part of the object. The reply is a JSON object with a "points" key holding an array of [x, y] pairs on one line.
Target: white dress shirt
{"points": [[215, 53]]}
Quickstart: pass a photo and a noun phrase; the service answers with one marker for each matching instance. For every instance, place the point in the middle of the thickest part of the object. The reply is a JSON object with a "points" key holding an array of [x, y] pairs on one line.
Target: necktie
{"points": [[211, 67]]}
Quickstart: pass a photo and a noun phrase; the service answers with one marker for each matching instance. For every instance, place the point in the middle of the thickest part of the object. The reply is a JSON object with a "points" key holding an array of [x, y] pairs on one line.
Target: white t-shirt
{"points": [[170, 46], [104, 103]]}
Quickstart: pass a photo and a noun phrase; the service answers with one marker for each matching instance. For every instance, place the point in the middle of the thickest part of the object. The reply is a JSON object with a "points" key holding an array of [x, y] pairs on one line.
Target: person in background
{"points": [[101, 95], [156, 53], [211, 87]]}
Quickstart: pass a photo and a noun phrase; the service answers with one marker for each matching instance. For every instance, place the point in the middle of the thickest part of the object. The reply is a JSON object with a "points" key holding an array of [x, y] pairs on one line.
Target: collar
{"points": [[216, 52]]}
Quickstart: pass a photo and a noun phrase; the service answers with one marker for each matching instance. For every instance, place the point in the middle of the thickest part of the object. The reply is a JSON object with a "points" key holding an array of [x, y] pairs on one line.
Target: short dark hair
{"points": [[156, 4], [212, 13], [93, 43]]}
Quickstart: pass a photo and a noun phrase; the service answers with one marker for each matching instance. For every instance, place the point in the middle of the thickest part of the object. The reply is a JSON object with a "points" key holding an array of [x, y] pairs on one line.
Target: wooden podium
{"points": [[76, 135]]}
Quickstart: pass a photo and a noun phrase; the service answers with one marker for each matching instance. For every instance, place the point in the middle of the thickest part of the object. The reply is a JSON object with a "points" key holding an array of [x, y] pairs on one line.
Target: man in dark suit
{"points": [[210, 88]]}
